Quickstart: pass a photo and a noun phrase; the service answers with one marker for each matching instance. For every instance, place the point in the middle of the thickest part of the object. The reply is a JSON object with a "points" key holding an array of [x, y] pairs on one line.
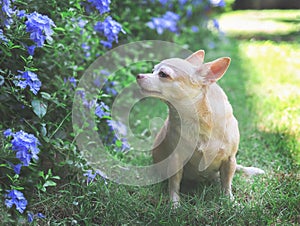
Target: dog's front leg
{"points": [[227, 171], [174, 183], [174, 188]]}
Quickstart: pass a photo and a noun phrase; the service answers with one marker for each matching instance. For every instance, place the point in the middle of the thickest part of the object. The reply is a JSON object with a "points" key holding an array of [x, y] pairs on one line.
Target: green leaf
{"points": [[56, 177], [19, 188], [39, 108], [118, 143], [45, 95], [43, 189], [59, 29], [43, 129], [30, 68], [41, 174], [16, 47], [4, 51], [49, 183]]}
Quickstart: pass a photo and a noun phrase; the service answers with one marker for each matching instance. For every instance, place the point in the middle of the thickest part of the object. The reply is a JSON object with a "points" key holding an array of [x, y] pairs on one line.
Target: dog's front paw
{"points": [[231, 197], [175, 205], [229, 194], [175, 201]]}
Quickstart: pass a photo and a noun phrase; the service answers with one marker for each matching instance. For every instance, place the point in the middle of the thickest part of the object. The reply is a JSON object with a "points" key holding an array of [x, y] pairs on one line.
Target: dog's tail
{"points": [[249, 171]]}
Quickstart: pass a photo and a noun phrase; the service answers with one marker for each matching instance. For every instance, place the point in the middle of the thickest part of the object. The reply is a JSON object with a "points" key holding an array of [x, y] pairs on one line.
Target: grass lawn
{"points": [[263, 85]]}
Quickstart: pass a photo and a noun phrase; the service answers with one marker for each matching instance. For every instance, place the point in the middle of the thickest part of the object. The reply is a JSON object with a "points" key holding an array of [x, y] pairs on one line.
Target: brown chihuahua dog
{"points": [[200, 120]]}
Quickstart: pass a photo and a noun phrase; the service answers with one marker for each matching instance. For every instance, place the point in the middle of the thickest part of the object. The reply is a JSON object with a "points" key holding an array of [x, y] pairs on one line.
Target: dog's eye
{"points": [[163, 74]]}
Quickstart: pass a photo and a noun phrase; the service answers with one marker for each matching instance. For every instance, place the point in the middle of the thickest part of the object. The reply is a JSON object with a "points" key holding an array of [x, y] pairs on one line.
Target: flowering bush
{"points": [[45, 47]]}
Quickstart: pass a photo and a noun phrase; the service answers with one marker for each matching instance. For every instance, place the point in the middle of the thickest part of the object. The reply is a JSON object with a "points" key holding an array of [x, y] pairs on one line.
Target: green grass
{"points": [[263, 85]]}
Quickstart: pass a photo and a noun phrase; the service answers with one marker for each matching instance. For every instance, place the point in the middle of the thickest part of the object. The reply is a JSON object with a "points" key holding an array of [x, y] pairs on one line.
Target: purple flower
{"points": [[163, 2], [182, 2], [85, 47], [106, 44], [125, 145], [6, 8], [81, 93], [17, 168], [31, 80], [109, 88], [72, 80], [40, 215], [39, 27], [172, 16], [117, 126], [31, 216], [2, 36], [197, 2], [195, 29], [7, 133], [218, 3], [167, 22], [30, 50], [189, 12], [101, 5], [17, 198], [89, 104], [216, 24], [26, 147], [21, 13], [102, 110], [6, 13], [97, 82], [105, 72], [120, 130], [90, 176], [110, 29], [82, 23]]}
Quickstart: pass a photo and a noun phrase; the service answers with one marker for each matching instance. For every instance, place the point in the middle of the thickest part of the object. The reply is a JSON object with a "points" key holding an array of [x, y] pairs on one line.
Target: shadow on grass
{"points": [[286, 37], [280, 151], [284, 20]]}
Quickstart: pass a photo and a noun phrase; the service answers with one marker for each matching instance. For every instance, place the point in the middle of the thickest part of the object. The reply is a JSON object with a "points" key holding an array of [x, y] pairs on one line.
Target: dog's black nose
{"points": [[140, 76]]}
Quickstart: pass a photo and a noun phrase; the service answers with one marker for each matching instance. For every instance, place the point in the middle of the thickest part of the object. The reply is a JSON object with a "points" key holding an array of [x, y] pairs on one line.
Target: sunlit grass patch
{"points": [[253, 23], [274, 82]]}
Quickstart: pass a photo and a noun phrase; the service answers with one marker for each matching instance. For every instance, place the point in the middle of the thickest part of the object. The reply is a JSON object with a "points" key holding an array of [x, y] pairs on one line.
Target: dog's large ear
{"points": [[196, 58], [216, 69]]}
